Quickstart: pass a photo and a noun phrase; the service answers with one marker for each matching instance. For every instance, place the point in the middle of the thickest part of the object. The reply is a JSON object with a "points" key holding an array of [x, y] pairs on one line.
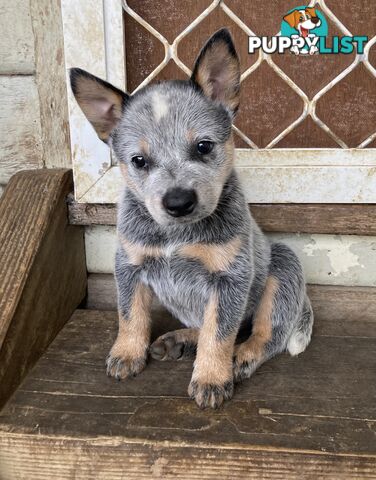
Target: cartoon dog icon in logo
{"points": [[303, 21]]}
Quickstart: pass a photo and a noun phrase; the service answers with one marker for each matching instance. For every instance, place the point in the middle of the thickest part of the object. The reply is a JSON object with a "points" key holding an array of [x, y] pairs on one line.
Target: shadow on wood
{"points": [[42, 269]]}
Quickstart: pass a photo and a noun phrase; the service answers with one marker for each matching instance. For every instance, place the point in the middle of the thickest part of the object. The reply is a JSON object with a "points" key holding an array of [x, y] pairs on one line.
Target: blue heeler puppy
{"points": [[186, 234]]}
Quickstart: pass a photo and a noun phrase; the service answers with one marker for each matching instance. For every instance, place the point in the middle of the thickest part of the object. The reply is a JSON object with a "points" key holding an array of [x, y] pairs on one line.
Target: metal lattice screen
{"points": [[324, 101]]}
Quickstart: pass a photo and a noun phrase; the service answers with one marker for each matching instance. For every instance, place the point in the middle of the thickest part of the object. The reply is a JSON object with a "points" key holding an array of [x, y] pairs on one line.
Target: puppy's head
{"points": [[172, 139], [303, 20]]}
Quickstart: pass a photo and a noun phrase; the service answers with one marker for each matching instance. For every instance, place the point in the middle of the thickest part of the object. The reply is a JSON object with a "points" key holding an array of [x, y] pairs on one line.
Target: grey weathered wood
{"points": [[50, 76], [16, 38], [101, 292], [42, 269], [343, 219], [20, 130], [92, 213], [308, 417]]}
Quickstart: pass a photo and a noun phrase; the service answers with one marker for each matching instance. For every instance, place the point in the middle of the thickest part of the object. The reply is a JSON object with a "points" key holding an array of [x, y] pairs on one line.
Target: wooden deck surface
{"points": [[298, 418]]}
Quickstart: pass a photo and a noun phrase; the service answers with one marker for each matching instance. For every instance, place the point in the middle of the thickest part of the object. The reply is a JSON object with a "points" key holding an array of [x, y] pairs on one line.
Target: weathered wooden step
{"points": [[298, 418]]}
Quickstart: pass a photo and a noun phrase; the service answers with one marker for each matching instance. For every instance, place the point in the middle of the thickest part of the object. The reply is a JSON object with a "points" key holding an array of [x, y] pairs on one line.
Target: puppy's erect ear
{"points": [[101, 102], [292, 18], [311, 11], [217, 70]]}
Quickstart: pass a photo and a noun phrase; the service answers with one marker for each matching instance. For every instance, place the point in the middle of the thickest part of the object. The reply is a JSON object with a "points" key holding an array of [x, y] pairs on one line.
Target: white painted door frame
{"points": [[94, 41]]}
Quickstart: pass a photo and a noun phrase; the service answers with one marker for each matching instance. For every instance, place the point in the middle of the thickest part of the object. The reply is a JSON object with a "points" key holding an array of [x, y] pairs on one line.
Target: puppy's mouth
{"points": [[304, 32], [308, 26]]}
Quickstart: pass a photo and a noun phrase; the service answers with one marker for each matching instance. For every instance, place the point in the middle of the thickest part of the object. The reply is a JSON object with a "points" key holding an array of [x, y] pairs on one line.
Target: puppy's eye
{"points": [[301, 19], [204, 147], [139, 161]]}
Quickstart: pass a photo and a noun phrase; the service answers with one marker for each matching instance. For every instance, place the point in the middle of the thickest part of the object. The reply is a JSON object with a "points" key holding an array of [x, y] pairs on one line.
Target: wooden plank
{"points": [[344, 311], [20, 131], [101, 292], [345, 219], [69, 458], [305, 417], [42, 269], [50, 78], [92, 213], [16, 38], [267, 176]]}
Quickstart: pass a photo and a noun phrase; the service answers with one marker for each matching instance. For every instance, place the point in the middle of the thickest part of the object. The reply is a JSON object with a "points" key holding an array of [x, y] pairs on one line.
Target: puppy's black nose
{"points": [[315, 20], [179, 202]]}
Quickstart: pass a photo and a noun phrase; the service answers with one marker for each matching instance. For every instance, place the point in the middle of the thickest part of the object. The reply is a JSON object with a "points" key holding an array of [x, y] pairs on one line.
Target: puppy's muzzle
{"points": [[315, 20], [179, 202]]}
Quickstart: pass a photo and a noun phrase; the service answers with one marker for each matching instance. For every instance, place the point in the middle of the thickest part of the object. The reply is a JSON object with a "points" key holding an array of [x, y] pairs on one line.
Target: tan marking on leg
{"points": [[215, 258], [137, 253], [134, 332], [254, 347], [213, 363]]}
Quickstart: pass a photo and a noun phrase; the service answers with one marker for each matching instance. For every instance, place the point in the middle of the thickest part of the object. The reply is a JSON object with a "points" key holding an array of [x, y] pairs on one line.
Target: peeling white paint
{"points": [[342, 259], [100, 246], [83, 26], [338, 251], [334, 259], [327, 259]]}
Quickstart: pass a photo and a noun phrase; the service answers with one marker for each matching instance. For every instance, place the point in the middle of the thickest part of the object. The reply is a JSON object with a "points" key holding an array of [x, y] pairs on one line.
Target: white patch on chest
{"points": [[170, 249], [160, 106]]}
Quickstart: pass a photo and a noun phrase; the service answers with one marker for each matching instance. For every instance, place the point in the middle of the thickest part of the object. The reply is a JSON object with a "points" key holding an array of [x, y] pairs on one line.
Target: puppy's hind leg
{"points": [[249, 355], [301, 335], [175, 345], [283, 319]]}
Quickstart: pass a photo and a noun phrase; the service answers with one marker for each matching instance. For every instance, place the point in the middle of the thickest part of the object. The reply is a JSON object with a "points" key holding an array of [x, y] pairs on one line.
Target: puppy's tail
{"points": [[301, 335]]}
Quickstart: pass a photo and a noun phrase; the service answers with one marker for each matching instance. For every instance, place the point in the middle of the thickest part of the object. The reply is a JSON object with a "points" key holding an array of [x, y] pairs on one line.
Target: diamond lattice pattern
{"points": [[320, 101]]}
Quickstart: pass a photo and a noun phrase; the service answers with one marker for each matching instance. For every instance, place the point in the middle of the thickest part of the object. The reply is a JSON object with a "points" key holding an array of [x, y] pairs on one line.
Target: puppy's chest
{"points": [[174, 259], [180, 274]]}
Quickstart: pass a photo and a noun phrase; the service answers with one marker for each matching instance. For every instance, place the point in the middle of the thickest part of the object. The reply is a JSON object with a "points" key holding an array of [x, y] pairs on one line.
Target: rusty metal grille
{"points": [[322, 102]]}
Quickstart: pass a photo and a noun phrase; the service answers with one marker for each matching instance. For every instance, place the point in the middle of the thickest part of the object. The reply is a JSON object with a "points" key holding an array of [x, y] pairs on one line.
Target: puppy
{"points": [[185, 232], [303, 21]]}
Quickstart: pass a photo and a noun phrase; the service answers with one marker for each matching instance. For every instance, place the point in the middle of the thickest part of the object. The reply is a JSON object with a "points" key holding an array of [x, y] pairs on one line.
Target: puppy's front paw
{"points": [[209, 395], [121, 367]]}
